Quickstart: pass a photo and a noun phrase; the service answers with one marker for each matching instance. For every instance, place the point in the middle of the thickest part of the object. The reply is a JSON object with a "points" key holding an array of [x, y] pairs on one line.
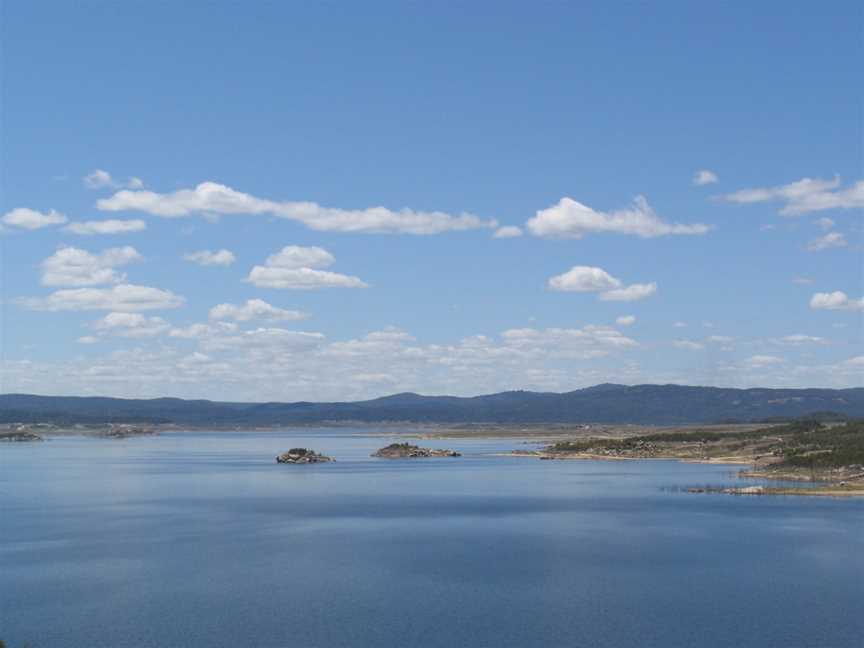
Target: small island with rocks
{"points": [[408, 451], [302, 456], [19, 436], [124, 431]]}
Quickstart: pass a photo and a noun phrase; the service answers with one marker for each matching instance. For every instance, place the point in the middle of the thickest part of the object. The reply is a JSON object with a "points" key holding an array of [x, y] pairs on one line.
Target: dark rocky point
{"points": [[408, 451], [302, 456]]}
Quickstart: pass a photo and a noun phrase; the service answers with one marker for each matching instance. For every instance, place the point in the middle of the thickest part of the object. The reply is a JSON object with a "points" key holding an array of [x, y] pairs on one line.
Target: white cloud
{"points": [[825, 223], [625, 320], [30, 219], [828, 241], [585, 343], [720, 339], [101, 179], [837, 300], [688, 344], [209, 258], [572, 219], [705, 177], [123, 297], [203, 331], [87, 339], [802, 281], [131, 325], [633, 292], [71, 266], [800, 339], [254, 309], [508, 231], [294, 267], [857, 361], [301, 279], [759, 361], [680, 325], [593, 279], [804, 196], [267, 339], [109, 226], [294, 257], [214, 198], [583, 279]]}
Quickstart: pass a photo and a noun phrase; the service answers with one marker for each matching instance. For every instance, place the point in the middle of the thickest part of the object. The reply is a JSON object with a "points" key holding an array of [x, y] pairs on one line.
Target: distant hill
{"points": [[608, 403]]}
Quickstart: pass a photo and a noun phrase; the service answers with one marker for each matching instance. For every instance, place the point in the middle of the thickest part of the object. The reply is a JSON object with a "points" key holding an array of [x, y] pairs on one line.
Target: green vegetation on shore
{"points": [[800, 444]]}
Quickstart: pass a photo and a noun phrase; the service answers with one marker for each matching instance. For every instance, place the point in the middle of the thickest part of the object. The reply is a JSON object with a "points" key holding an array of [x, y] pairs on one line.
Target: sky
{"points": [[336, 201]]}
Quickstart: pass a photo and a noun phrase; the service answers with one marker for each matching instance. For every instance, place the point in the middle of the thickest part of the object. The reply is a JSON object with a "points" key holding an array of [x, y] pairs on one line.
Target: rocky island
{"points": [[19, 436], [126, 431], [302, 456], [408, 451]]}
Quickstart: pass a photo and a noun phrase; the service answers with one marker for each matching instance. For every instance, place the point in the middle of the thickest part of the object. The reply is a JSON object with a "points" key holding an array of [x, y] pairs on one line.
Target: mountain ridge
{"points": [[606, 403]]}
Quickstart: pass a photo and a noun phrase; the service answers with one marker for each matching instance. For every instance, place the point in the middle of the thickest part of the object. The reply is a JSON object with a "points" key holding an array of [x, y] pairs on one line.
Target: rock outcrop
{"points": [[126, 431], [302, 456], [408, 451], [19, 436]]}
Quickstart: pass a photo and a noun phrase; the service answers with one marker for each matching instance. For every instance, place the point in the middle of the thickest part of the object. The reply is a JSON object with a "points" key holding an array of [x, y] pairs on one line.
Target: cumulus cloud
{"points": [[625, 320], [582, 343], [215, 198], [632, 292], [597, 280], [210, 258], [254, 309], [30, 219], [108, 226], [295, 267], [837, 300], [294, 257], [101, 179], [123, 298], [573, 220], [705, 177], [826, 242], [583, 279], [804, 196], [301, 279], [508, 231], [131, 325], [70, 266]]}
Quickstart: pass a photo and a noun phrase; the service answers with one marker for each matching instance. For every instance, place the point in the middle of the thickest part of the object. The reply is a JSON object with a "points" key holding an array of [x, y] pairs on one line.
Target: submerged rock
{"points": [[406, 451], [302, 456]]}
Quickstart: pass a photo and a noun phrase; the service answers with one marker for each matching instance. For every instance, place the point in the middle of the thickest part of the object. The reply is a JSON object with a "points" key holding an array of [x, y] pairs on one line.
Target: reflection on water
{"points": [[194, 539]]}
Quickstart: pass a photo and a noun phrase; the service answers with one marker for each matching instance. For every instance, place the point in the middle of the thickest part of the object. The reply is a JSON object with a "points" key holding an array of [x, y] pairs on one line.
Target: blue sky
{"points": [[379, 155]]}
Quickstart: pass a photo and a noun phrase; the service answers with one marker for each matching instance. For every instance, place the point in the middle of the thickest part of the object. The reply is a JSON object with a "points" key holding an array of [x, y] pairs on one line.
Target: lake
{"points": [[201, 539]]}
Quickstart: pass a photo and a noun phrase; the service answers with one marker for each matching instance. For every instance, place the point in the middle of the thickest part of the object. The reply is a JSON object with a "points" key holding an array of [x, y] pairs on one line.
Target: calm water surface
{"points": [[199, 539]]}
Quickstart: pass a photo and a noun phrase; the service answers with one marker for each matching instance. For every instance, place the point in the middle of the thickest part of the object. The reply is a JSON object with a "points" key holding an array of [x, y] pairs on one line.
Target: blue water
{"points": [[201, 539]]}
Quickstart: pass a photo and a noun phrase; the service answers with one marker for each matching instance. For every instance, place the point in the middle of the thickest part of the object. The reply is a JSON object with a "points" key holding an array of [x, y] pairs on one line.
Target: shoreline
{"points": [[851, 487]]}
